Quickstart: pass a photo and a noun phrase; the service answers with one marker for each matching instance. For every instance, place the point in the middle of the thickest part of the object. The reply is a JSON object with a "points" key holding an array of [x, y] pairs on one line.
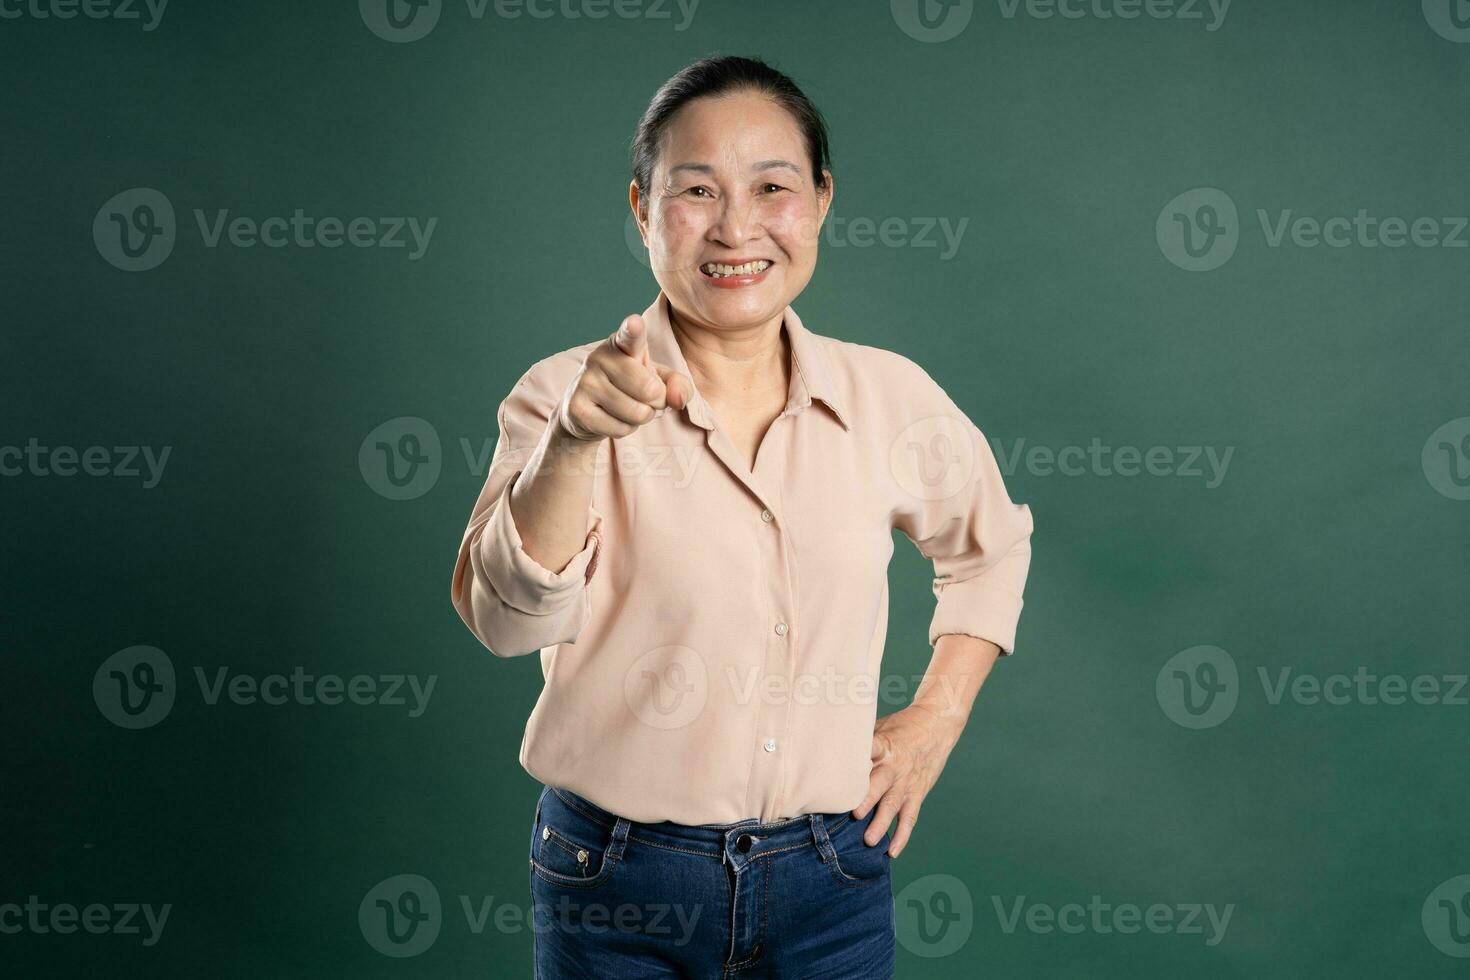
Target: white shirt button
{"points": [[770, 745], [766, 516], [780, 629]]}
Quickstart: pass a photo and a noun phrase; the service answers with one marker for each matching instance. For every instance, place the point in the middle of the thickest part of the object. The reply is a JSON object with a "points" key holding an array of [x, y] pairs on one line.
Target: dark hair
{"points": [[725, 75]]}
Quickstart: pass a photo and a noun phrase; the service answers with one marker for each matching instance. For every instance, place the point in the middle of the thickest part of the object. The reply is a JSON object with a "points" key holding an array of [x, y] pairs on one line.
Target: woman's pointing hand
{"points": [[620, 388]]}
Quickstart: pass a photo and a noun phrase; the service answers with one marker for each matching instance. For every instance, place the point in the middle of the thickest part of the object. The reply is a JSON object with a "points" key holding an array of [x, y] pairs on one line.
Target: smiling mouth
{"points": [[722, 270]]}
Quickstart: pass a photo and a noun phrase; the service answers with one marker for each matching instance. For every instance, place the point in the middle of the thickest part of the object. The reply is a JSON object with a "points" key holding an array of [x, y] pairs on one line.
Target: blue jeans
{"points": [[801, 898]]}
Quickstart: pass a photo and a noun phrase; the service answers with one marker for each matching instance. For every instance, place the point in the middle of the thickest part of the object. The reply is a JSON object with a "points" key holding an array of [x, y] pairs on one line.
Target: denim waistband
{"points": [[719, 839]]}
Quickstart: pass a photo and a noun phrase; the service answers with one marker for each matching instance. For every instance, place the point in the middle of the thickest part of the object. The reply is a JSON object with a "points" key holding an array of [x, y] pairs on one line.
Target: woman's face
{"points": [[732, 184]]}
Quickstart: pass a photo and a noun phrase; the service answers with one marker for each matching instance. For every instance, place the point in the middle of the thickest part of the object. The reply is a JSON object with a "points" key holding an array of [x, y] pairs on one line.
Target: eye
{"points": [[699, 187], [776, 186]]}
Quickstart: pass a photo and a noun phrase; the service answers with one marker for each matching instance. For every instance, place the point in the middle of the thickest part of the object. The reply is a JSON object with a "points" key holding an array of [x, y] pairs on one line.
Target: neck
{"points": [[740, 364]]}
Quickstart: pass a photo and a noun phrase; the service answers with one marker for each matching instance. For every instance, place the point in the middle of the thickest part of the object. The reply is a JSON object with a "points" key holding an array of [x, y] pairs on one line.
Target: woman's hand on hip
{"points": [[910, 747]]}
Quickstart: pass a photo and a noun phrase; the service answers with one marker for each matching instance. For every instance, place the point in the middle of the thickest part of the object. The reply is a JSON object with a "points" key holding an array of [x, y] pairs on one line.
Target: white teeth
{"points": [[718, 270]]}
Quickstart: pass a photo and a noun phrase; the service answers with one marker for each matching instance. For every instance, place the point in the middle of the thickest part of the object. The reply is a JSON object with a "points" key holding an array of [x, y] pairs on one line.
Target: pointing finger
{"points": [[632, 338]]}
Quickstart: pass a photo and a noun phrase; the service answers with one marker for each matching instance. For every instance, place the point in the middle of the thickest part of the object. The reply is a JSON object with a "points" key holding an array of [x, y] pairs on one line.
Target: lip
{"points": [[737, 282]]}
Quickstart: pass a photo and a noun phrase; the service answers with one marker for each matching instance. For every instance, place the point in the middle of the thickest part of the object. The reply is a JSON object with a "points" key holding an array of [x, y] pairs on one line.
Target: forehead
{"points": [[731, 130]]}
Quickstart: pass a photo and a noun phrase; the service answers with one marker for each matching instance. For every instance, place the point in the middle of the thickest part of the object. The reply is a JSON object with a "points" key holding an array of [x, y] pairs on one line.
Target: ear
{"points": [[633, 202], [824, 198]]}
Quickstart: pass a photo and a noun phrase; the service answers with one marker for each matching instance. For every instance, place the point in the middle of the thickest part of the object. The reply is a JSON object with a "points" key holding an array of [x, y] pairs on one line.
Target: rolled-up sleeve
{"points": [[512, 603], [978, 539]]}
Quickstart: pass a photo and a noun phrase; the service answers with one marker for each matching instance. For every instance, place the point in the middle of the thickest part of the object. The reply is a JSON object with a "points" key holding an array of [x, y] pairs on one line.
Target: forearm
{"points": [[956, 672], [550, 500]]}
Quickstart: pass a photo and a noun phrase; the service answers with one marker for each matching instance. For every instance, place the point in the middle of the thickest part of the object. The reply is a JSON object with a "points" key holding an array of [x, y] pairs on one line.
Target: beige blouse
{"points": [[713, 653]]}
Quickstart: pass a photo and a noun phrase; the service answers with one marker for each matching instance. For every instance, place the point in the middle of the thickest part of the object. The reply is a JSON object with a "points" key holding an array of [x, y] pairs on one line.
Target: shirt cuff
{"points": [[976, 608], [523, 583]]}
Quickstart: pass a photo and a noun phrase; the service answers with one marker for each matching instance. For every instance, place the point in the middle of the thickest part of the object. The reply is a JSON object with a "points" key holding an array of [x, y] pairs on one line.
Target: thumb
{"points": [[632, 338], [677, 388]]}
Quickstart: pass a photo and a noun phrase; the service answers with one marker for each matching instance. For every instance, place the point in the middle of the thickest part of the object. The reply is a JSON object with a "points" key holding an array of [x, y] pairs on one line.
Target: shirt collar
{"points": [[811, 376]]}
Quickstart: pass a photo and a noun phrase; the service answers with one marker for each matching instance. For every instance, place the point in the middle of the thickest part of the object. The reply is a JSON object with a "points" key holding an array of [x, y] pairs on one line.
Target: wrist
{"points": [[561, 438], [945, 723]]}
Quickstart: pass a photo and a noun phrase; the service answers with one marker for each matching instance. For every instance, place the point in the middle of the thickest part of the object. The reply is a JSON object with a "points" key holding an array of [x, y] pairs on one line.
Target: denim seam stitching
{"points": [[580, 809], [670, 847]]}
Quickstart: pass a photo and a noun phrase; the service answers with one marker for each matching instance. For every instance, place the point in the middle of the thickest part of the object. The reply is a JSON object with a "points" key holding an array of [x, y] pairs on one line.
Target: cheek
{"points": [[793, 223], [682, 227]]}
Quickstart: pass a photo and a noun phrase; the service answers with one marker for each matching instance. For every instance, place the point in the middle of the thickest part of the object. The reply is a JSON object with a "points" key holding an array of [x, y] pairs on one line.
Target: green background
{"points": [[1058, 321]]}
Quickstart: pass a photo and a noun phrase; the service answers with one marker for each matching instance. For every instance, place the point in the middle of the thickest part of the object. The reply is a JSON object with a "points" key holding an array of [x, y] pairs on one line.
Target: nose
{"points": [[737, 222]]}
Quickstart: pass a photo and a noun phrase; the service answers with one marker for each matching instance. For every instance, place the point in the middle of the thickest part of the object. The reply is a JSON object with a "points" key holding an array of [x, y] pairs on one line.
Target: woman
{"points": [[692, 520]]}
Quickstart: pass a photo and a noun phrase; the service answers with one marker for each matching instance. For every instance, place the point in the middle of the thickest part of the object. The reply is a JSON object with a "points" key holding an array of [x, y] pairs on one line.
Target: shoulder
{"points": [[881, 380], [544, 381], [528, 406]]}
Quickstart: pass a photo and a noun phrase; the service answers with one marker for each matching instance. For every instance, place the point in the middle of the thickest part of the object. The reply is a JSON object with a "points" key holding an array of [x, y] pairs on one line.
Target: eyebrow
{"points": [[705, 168]]}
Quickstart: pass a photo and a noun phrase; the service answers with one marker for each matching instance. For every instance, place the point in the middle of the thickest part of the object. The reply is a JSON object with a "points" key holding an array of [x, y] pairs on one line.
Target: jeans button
{"points": [[743, 843]]}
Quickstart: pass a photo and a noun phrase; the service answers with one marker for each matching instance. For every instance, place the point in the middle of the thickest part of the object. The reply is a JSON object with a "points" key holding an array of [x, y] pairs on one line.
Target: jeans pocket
{"points": [[569, 846], [850, 859]]}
